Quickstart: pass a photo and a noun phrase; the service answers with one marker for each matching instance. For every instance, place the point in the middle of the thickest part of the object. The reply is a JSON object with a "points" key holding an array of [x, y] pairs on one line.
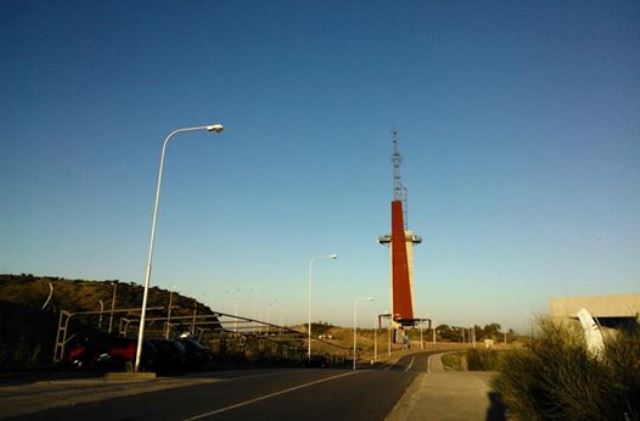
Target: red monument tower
{"points": [[401, 241]]}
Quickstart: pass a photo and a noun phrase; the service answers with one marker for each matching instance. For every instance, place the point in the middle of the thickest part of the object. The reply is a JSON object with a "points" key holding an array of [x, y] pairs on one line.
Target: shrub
{"points": [[452, 361], [555, 378], [483, 359]]}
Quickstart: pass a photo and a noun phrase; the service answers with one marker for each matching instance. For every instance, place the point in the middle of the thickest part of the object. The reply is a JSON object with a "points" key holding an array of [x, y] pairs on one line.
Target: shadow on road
{"points": [[497, 410]]}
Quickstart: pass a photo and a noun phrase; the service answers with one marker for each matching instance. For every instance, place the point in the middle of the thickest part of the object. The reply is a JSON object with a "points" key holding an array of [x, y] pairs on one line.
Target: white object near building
{"points": [[592, 333]]}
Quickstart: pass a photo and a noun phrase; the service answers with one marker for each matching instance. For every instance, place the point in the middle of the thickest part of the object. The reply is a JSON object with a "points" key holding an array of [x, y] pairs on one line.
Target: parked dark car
{"points": [[197, 354], [169, 355], [109, 353]]}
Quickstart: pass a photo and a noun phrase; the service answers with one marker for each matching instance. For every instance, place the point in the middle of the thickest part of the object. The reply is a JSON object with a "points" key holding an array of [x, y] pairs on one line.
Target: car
{"points": [[197, 355], [170, 355], [109, 353]]}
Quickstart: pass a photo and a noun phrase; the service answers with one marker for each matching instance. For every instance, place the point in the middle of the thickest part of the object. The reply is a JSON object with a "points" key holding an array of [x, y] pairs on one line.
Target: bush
{"points": [[483, 359], [452, 361], [555, 378]]}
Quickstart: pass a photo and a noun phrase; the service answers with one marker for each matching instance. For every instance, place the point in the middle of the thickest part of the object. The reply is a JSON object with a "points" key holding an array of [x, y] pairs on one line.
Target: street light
{"points": [[389, 334], [326, 257], [421, 329], [215, 128], [375, 341], [433, 330], [355, 321]]}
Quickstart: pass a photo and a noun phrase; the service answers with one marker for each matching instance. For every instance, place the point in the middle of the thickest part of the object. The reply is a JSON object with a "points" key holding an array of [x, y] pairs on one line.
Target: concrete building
{"points": [[619, 310]]}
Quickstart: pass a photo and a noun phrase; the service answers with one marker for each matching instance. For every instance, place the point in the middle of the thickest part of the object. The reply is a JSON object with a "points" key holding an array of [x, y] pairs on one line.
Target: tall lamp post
{"points": [[421, 329], [355, 321], [326, 257], [375, 341], [214, 128]]}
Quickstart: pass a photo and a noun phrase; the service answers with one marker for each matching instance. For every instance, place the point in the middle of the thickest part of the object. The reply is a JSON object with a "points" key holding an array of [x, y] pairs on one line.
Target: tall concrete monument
{"points": [[400, 242]]}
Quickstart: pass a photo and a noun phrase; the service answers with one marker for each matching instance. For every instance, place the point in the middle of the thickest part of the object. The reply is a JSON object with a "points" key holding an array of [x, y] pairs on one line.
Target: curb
{"points": [[133, 376]]}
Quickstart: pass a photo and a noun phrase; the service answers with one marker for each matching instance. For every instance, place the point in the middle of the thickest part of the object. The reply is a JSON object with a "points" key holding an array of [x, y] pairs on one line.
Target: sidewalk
{"points": [[449, 395]]}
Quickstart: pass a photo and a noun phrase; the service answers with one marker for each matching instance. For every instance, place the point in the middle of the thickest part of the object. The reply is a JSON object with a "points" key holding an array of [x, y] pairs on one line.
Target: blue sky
{"points": [[519, 123]]}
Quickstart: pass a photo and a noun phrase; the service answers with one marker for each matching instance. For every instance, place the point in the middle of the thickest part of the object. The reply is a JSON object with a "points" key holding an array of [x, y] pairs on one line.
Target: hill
{"points": [[28, 319]]}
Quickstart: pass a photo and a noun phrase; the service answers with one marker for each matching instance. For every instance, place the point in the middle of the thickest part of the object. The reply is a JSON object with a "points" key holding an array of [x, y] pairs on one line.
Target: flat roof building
{"points": [[610, 310]]}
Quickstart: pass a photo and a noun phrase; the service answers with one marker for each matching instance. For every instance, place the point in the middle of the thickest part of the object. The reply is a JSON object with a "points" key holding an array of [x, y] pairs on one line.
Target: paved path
{"points": [[440, 394]]}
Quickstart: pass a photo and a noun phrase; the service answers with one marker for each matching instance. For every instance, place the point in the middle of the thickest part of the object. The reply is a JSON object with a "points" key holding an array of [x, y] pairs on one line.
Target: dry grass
{"points": [[555, 378]]}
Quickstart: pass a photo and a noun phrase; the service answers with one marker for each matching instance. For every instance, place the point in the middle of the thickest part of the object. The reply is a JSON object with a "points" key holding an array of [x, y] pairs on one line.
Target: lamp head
{"points": [[369, 298], [216, 128], [332, 256]]}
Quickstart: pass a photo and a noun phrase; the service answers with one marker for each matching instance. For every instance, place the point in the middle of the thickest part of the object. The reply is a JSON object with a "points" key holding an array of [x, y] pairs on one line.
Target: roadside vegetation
{"points": [[555, 378], [453, 361], [485, 359]]}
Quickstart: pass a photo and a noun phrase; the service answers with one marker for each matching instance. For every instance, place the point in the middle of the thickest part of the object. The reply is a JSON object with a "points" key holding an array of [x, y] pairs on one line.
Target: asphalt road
{"points": [[270, 394]]}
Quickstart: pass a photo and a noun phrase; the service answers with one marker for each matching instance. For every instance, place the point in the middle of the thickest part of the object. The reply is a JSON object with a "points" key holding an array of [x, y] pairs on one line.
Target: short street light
{"points": [[355, 321], [326, 257], [215, 128]]}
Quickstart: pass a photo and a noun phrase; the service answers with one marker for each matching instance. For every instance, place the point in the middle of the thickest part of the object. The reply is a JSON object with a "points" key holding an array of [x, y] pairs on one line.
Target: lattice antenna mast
{"points": [[399, 189]]}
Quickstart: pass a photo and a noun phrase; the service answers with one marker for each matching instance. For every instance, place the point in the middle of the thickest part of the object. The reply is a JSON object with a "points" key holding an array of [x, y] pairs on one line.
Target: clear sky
{"points": [[519, 123]]}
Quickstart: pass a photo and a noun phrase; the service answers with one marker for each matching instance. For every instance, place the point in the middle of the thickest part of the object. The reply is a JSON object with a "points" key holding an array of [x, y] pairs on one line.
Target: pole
{"points": [[434, 331], [473, 335], [113, 306], [421, 341], [309, 309], [154, 219], [375, 341], [193, 319], [389, 337], [168, 327], [100, 318], [355, 319]]}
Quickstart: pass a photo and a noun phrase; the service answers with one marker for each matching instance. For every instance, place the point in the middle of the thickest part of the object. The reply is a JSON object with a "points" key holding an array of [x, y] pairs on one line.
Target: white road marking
{"points": [[410, 364], [270, 395]]}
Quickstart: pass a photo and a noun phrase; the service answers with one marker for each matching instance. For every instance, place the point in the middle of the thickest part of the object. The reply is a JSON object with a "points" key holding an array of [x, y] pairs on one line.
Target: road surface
{"points": [[269, 394]]}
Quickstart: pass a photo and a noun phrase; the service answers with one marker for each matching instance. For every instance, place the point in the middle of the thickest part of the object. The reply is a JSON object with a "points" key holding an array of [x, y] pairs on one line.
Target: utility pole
{"points": [[167, 330], [113, 306], [193, 320]]}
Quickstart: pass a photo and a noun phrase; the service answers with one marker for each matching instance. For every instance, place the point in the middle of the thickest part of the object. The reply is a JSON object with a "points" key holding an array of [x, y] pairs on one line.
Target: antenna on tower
{"points": [[399, 189]]}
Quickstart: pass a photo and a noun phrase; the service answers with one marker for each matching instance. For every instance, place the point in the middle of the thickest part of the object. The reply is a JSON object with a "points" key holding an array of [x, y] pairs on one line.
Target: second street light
{"points": [[355, 323], [214, 128], [329, 257]]}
